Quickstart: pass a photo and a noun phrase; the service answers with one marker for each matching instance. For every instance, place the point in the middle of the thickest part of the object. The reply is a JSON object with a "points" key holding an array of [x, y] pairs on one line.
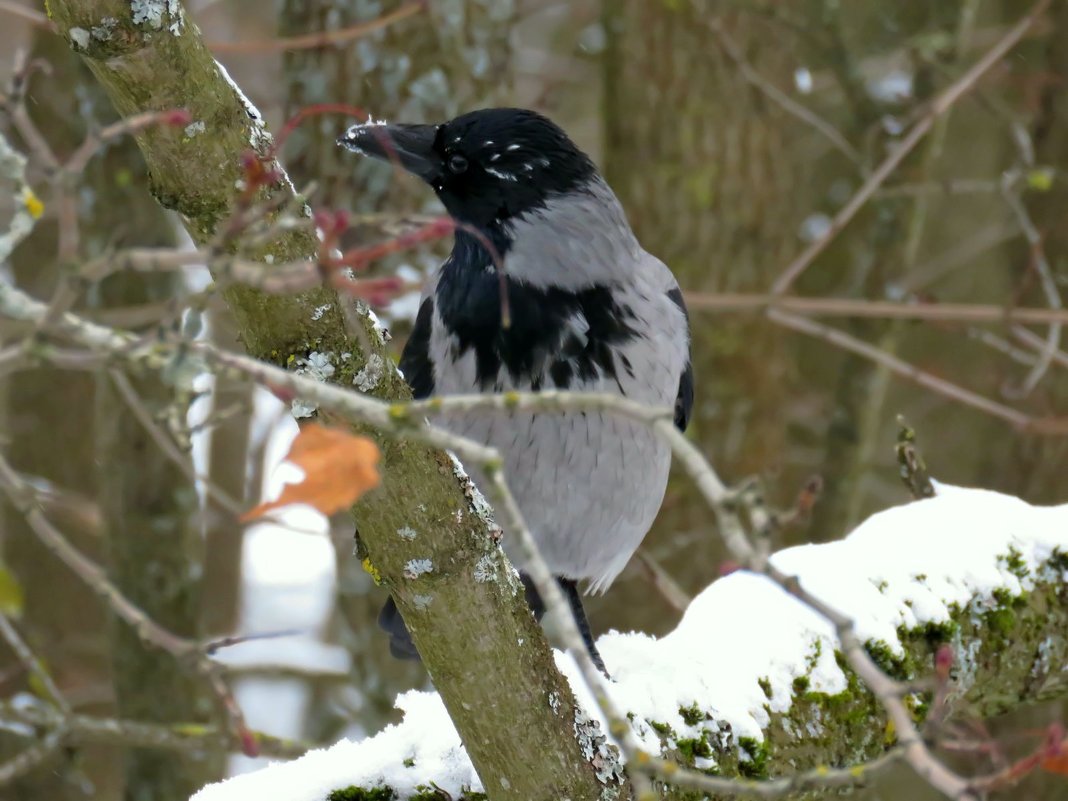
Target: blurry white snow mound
{"points": [[739, 638], [288, 584]]}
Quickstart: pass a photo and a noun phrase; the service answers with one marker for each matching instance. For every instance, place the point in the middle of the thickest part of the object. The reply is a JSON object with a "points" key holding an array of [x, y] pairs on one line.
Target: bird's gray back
{"points": [[589, 484]]}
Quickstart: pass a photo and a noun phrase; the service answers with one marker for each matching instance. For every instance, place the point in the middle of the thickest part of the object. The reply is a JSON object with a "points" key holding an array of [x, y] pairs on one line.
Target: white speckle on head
{"points": [[513, 147], [528, 167], [353, 132], [495, 156], [371, 374], [544, 162], [505, 176], [317, 314], [79, 37], [417, 567], [407, 533], [194, 128], [488, 142]]}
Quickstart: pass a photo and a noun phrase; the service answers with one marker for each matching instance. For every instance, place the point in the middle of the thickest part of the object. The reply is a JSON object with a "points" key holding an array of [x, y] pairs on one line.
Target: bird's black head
{"points": [[486, 166]]}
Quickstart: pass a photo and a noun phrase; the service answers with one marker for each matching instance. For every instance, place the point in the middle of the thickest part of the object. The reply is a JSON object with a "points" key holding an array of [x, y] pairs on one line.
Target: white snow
{"points": [[288, 584], [904, 566]]}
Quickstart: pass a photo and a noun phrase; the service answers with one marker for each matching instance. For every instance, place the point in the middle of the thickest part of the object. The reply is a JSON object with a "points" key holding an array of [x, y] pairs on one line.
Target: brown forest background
{"points": [[682, 106]]}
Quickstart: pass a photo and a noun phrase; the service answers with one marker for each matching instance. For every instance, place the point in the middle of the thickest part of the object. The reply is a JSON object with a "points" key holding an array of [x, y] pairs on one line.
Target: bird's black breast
{"points": [[557, 334]]}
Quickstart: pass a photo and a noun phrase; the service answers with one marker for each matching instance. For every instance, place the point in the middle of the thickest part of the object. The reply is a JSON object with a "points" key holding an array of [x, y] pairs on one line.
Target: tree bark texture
{"points": [[496, 692], [427, 68]]}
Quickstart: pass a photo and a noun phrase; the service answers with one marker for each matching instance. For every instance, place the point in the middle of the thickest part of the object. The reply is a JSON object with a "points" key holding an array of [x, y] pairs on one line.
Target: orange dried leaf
{"points": [[1057, 762], [339, 467]]}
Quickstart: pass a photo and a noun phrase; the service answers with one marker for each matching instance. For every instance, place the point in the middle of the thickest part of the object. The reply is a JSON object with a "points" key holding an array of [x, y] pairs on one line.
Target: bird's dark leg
{"points": [[574, 598], [402, 647]]}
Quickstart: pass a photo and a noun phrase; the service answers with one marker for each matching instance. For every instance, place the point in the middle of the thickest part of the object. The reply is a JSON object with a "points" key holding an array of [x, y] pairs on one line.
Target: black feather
{"points": [[415, 360], [538, 342], [684, 400]]}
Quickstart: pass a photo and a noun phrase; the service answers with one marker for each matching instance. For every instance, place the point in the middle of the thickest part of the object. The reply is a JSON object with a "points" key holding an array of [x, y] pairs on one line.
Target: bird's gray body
{"points": [[589, 484]]}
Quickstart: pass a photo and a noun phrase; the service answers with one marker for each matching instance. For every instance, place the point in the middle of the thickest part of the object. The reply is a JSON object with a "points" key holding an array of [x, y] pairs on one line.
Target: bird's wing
{"points": [[415, 360], [684, 399]]}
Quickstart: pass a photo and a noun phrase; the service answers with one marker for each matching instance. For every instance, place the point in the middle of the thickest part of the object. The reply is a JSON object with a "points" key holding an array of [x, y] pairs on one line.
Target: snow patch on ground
{"points": [[905, 566]]}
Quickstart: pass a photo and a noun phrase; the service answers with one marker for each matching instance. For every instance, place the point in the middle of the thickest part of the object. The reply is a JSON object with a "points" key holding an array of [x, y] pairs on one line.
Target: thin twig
{"points": [[941, 386], [32, 664], [308, 41], [1049, 287], [170, 450], [408, 421], [874, 309], [182, 737], [662, 581], [780, 98], [939, 106]]}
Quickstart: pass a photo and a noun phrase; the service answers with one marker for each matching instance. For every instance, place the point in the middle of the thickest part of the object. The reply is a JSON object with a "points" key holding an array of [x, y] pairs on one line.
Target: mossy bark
{"points": [[425, 69], [496, 690], [1009, 651]]}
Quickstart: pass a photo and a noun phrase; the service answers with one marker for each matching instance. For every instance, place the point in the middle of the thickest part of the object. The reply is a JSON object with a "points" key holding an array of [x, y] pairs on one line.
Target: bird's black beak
{"points": [[410, 146]]}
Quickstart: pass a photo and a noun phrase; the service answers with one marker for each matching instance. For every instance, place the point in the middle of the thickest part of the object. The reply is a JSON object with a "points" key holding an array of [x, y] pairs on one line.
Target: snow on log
{"points": [[751, 684]]}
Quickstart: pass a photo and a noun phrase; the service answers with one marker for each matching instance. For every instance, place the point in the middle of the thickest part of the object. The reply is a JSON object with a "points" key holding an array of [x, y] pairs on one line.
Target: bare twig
{"points": [[27, 760], [780, 98], [332, 38], [1049, 287], [939, 106], [184, 737], [31, 15], [874, 309], [941, 386], [911, 462], [32, 663], [408, 421]]}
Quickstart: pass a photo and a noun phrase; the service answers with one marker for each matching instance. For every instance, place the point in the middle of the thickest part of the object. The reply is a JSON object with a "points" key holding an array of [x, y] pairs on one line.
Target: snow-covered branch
{"points": [[753, 683], [766, 675]]}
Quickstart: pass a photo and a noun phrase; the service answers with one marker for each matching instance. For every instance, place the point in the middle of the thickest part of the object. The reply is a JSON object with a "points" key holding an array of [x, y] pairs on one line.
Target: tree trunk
{"points": [[427, 69], [496, 692]]}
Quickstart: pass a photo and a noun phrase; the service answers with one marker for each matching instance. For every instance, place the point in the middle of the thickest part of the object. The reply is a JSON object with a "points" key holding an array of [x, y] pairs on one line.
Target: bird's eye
{"points": [[457, 164]]}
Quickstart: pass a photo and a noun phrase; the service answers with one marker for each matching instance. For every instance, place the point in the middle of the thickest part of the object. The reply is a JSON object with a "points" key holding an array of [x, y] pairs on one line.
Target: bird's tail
{"points": [[400, 641]]}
